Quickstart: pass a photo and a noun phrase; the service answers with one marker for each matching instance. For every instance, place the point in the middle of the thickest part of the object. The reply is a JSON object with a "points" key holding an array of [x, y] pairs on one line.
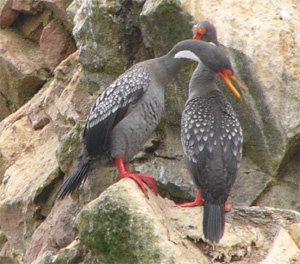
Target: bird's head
{"points": [[205, 31]]}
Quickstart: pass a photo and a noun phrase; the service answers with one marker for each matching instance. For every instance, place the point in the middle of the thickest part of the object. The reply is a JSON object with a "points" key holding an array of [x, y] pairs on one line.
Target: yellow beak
{"points": [[225, 76]]}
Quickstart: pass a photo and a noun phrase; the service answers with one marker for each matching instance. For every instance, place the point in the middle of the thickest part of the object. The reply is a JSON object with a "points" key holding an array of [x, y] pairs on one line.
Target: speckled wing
{"points": [[111, 107], [211, 138]]}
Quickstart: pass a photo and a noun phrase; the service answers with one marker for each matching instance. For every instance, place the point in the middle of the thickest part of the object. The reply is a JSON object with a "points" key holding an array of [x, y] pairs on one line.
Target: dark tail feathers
{"points": [[213, 221], [74, 180]]}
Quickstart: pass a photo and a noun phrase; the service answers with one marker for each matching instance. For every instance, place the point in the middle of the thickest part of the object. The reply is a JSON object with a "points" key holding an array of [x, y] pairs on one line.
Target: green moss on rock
{"points": [[163, 24], [69, 147], [115, 232], [99, 38]]}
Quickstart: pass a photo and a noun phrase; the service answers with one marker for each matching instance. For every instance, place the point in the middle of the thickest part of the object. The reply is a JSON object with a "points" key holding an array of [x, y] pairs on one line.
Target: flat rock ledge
{"points": [[122, 226]]}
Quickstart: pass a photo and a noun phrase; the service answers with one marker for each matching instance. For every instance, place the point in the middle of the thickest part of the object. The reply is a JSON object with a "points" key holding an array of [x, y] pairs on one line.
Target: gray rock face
{"points": [[108, 38]]}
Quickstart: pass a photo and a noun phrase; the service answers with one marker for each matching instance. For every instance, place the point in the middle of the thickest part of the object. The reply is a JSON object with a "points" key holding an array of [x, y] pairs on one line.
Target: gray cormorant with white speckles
{"points": [[212, 139]]}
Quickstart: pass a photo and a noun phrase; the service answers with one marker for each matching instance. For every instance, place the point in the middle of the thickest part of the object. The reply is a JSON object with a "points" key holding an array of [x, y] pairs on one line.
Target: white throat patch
{"points": [[186, 54]]}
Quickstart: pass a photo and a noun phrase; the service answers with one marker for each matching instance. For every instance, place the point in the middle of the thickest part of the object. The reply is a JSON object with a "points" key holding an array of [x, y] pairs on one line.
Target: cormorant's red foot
{"points": [[228, 207], [199, 202], [149, 181], [139, 178]]}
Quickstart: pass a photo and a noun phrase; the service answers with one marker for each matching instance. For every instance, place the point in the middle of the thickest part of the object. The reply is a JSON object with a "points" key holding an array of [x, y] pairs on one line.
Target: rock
{"points": [[56, 44], [270, 113], [28, 7], [163, 24], [129, 232], [22, 70], [154, 231], [32, 26], [6, 260], [108, 39], [284, 193], [294, 231], [56, 232], [38, 118], [59, 9], [27, 197], [173, 180], [74, 253], [4, 109], [283, 250], [7, 14], [3, 240]]}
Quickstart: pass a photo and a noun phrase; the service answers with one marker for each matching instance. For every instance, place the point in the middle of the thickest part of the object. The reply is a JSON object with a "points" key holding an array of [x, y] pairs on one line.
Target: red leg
{"points": [[139, 178], [228, 207], [198, 201], [126, 166]]}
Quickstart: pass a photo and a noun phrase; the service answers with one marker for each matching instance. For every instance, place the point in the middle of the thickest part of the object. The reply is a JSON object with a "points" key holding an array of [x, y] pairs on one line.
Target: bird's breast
{"points": [[141, 120]]}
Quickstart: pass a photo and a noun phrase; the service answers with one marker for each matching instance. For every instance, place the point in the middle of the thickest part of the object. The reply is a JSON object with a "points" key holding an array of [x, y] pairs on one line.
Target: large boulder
{"points": [[122, 226]]}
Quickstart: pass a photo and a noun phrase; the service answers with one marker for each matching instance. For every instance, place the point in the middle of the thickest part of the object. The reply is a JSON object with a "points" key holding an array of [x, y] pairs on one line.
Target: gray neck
{"points": [[203, 81], [172, 67]]}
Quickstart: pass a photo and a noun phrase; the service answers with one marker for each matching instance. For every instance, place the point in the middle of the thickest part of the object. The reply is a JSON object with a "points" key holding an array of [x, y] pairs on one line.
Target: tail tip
{"points": [[214, 222]]}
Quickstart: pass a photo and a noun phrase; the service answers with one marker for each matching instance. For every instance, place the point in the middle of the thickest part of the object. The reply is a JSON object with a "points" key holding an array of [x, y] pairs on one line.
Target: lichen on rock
{"points": [[115, 230]]}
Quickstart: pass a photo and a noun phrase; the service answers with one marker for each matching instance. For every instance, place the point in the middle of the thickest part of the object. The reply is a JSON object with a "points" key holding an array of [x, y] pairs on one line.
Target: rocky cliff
{"points": [[57, 56]]}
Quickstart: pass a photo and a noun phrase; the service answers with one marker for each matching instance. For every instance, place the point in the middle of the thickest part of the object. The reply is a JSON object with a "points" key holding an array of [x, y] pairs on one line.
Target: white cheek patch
{"points": [[186, 54]]}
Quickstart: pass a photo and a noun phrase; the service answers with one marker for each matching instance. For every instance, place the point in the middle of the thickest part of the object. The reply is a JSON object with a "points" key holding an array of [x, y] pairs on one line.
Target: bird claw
{"points": [[190, 204], [198, 201], [149, 181], [140, 179], [227, 208]]}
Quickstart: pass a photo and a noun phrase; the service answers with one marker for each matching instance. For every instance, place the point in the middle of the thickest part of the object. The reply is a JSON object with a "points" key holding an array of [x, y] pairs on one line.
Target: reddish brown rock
{"points": [[59, 9], [27, 6], [56, 44], [55, 232], [22, 70], [38, 118], [32, 26], [7, 14]]}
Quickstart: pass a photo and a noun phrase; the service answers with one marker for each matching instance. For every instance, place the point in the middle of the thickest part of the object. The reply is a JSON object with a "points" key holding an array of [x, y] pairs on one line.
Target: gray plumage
{"points": [[212, 142], [129, 110]]}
